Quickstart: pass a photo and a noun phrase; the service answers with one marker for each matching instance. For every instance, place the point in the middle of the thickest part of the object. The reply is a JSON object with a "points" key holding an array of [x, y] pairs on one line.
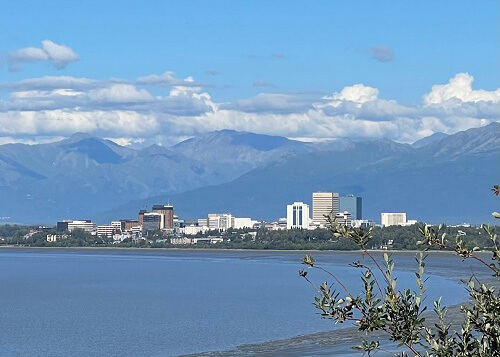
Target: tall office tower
{"points": [[297, 215], [168, 214], [353, 205], [324, 203], [393, 219]]}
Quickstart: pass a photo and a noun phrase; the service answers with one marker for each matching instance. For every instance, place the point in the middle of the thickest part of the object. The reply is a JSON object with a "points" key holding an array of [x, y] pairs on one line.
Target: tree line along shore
{"points": [[384, 238]]}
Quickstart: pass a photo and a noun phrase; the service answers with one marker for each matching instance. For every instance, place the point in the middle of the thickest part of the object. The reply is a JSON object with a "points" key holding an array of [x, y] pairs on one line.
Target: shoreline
{"points": [[338, 342], [15, 247]]}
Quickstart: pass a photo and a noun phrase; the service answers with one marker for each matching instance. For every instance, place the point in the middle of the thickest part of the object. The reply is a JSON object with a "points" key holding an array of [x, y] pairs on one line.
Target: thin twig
{"points": [[310, 282], [378, 266], [374, 278], [486, 264], [336, 279]]}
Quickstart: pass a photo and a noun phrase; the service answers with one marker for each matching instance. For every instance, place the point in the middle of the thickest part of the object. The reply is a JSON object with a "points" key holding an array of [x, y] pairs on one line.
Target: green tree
{"points": [[400, 313]]}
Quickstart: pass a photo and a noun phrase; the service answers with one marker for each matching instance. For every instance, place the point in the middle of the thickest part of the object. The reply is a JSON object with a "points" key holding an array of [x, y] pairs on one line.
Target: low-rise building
{"points": [[118, 225], [87, 225], [193, 230], [220, 221], [181, 240], [362, 223], [240, 223], [393, 219], [70, 225], [211, 240], [52, 238], [136, 232], [106, 231], [343, 218]]}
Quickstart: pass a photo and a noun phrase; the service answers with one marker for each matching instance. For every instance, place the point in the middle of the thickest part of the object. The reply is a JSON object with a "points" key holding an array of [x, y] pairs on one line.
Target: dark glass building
{"points": [[353, 205]]}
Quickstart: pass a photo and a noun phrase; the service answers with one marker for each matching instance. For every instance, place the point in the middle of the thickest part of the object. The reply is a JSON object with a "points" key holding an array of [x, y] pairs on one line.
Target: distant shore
{"points": [[231, 249]]}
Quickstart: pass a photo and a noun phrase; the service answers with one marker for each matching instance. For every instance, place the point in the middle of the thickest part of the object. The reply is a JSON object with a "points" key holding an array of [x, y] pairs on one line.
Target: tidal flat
{"points": [[92, 302]]}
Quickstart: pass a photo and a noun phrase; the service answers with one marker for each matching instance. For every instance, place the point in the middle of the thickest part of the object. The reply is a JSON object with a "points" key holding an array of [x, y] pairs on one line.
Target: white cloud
{"points": [[459, 89], [357, 93], [66, 122], [59, 55], [82, 94], [55, 82], [120, 93], [60, 106], [168, 78]]}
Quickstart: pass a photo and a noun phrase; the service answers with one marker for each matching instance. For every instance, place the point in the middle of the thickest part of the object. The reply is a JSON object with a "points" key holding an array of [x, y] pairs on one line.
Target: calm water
{"points": [[159, 303]]}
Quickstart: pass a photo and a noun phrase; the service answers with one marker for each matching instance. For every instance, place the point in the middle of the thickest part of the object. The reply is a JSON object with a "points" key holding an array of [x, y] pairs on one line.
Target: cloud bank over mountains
{"points": [[133, 111]]}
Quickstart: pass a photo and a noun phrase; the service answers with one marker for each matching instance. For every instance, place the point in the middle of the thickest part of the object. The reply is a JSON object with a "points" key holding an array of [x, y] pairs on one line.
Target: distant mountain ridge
{"points": [[445, 181], [232, 153], [83, 175], [428, 139], [247, 174]]}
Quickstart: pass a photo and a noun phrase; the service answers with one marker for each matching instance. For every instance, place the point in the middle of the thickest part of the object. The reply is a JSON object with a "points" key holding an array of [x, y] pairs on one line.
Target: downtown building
{"points": [[69, 225], [324, 204], [168, 215], [107, 230], [160, 217], [353, 205], [152, 221], [297, 215], [393, 219], [220, 221], [343, 219]]}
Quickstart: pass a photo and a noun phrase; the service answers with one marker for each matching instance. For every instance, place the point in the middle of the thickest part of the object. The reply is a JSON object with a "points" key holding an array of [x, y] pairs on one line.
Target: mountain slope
{"points": [[83, 175], [446, 181], [233, 153], [428, 139]]}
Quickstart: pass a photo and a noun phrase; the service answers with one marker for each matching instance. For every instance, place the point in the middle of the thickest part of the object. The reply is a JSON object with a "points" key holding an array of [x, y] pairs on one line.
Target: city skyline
{"points": [[298, 216], [203, 177]]}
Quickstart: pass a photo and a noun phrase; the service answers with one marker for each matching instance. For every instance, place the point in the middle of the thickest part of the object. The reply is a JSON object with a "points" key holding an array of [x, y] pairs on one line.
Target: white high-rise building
{"points": [[324, 203], [297, 215], [220, 221], [393, 219]]}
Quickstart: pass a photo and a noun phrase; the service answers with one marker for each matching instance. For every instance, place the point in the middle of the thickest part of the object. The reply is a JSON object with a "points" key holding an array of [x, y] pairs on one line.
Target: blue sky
{"points": [[238, 49]]}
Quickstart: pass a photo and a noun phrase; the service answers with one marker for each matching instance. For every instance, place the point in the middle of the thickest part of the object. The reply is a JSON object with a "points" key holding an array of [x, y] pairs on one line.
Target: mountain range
{"points": [[439, 178]]}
